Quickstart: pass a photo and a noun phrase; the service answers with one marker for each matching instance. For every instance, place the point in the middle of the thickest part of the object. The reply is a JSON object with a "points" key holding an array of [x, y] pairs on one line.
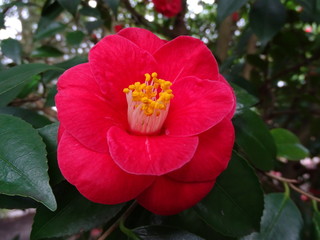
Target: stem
{"points": [[119, 221], [303, 192], [315, 205], [282, 179], [286, 190]]}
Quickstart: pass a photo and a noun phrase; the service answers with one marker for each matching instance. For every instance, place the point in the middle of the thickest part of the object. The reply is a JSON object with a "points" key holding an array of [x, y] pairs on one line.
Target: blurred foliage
{"points": [[269, 50]]}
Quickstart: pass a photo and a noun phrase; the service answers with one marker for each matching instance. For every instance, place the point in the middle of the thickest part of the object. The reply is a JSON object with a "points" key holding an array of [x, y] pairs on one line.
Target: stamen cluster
{"points": [[148, 103]]}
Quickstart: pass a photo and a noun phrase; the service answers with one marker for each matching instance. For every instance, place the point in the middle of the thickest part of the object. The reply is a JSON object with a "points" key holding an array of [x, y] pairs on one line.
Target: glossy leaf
{"points": [[244, 99], [48, 28], [316, 224], [288, 145], [53, 74], [46, 51], [227, 7], [281, 219], [23, 162], [70, 6], [158, 232], [17, 76], [75, 38], [2, 26], [266, 18], [49, 136], [113, 4], [234, 206], [32, 117], [74, 214], [253, 136], [11, 48]]}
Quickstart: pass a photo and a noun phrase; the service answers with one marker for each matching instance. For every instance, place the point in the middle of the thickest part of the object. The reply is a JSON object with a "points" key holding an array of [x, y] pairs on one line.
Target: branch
{"points": [[116, 224]]}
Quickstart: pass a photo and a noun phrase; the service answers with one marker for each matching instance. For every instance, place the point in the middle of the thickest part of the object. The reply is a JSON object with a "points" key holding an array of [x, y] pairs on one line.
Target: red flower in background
{"points": [[145, 119], [168, 8], [118, 27]]}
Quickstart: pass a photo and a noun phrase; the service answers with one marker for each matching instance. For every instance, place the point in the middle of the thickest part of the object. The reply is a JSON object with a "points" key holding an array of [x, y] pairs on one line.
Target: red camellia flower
{"points": [[168, 8], [145, 119]]}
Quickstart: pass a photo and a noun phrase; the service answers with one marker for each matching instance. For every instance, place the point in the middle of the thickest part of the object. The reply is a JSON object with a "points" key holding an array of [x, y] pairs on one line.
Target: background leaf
{"points": [[158, 232], [11, 48], [227, 7], [288, 145], [23, 160], [235, 204], [255, 139], [75, 38], [17, 76], [280, 218], [74, 214], [267, 17], [70, 6]]}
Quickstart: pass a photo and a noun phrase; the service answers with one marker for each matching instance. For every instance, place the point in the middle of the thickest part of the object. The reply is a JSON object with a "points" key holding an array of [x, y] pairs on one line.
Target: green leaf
{"points": [[75, 38], [23, 162], [46, 51], [53, 74], [159, 232], [17, 76], [227, 7], [11, 48], [48, 28], [288, 145], [32, 117], [253, 136], [281, 219], [74, 214], [51, 96], [49, 136], [244, 99], [234, 206], [2, 26], [266, 18], [70, 6], [316, 223], [113, 4]]}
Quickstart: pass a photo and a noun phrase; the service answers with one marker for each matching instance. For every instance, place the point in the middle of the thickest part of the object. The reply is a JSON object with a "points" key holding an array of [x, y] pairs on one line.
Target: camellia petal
{"points": [[117, 62], [168, 8], [186, 56], [80, 105], [212, 155], [96, 176], [150, 155], [167, 197], [197, 106], [143, 38]]}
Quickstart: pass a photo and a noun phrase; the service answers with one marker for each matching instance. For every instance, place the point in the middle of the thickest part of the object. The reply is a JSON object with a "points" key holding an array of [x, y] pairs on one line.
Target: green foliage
{"points": [[269, 50], [23, 160]]}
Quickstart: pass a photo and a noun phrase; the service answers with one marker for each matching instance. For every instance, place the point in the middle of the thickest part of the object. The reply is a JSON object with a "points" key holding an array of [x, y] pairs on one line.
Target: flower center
{"points": [[148, 104]]}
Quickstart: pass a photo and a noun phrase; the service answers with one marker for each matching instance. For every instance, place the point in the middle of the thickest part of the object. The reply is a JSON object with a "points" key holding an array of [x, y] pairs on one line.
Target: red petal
{"points": [[116, 62], [212, 155], [197, 106], [186, 56], [84, 111], [96, 176], [167, 197], [230, 115], [142, 38], [150, 155]]}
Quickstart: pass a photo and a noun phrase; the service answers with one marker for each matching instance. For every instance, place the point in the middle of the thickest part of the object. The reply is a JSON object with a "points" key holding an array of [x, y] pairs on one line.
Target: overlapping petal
{"points": [[197, 106], [84, 111], [167, 197], [186, 56], [117, 62], [96, 176], [150, 155], [212, 155], [143, 39]]}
